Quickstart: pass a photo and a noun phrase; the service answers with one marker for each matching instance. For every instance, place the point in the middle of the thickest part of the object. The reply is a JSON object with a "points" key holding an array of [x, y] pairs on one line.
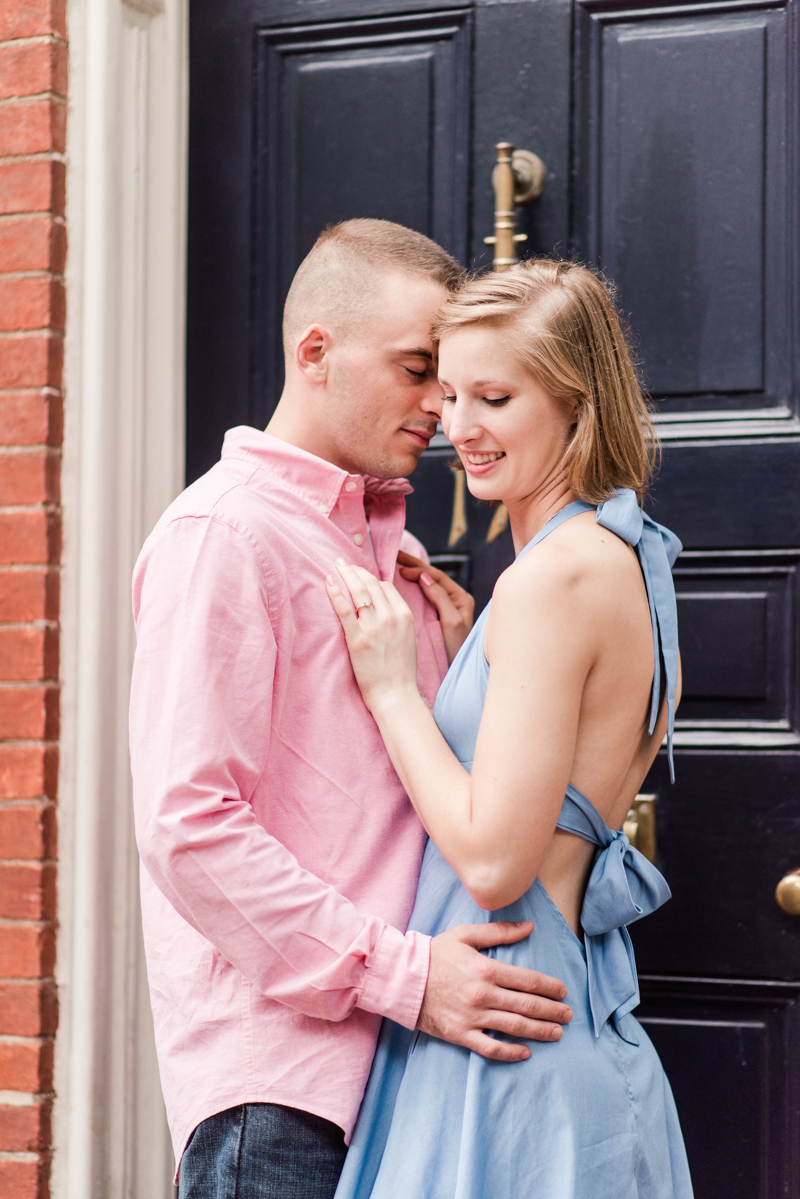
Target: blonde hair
{"points": [[562, 324], [339, 280]]}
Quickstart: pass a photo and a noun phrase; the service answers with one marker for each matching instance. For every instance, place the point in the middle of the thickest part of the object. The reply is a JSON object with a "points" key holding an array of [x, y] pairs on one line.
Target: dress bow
{"points": [[623, 887]]}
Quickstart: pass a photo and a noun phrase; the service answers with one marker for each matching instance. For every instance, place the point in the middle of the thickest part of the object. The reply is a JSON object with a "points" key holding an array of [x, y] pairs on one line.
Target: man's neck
{"points": [[288, 426]]}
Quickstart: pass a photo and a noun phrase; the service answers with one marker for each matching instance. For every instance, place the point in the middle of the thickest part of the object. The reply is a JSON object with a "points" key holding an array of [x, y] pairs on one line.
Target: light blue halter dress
{"points": [[590, 1116]]}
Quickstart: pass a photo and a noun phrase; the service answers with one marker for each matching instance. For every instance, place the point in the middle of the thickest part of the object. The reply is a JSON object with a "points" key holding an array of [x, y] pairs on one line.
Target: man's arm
{"points": [[200, 730]]}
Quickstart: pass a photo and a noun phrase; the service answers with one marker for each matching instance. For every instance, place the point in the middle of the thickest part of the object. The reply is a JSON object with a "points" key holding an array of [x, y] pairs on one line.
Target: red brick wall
{"points": [[33, 83]]}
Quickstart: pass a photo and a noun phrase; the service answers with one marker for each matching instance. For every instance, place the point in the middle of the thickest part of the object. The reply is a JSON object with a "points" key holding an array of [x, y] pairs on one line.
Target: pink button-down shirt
{"points": [[280, 854]]}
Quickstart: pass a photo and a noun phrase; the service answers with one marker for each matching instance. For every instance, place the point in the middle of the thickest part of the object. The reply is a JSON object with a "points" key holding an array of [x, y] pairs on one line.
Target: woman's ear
{"points": [[311, 353]]}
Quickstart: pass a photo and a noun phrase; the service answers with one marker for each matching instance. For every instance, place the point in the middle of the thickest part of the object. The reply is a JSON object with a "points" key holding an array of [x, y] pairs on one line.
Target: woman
{"points": [[542, 733]]}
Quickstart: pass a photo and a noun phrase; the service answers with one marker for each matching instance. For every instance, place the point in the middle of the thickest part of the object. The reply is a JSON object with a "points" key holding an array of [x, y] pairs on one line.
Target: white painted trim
{"points": [[123, 463]]}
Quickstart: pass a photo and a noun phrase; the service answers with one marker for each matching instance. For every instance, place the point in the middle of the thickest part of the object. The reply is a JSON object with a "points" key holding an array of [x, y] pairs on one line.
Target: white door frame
{"points": [[123, 463]]}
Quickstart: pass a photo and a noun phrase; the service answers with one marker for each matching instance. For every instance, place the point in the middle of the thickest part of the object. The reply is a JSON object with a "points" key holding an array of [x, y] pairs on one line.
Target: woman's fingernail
{"points": [[329, 580], [426, 579]]}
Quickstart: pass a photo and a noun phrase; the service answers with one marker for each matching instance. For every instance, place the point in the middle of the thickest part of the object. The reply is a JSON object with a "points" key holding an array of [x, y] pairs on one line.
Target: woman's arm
{"points": [[494, 826]]}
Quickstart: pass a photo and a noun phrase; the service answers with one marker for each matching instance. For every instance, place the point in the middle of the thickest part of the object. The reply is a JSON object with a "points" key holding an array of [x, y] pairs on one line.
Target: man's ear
{"points": [[311, 353]]}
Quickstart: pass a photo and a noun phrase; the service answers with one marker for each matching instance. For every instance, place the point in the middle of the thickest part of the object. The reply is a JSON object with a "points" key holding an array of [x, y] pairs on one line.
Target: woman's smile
{"points": [[480, 463]]}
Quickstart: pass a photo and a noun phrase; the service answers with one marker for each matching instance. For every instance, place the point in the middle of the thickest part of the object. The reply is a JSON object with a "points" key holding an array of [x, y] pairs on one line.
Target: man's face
{"points": [[383, 396]]}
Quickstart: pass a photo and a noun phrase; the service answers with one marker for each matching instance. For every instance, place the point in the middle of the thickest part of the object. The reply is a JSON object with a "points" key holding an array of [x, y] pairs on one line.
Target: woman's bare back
{"points": [[613, 749]]}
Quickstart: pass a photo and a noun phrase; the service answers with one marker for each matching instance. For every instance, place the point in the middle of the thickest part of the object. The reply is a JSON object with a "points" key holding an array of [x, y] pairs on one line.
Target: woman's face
{"points": [[509, 434]]}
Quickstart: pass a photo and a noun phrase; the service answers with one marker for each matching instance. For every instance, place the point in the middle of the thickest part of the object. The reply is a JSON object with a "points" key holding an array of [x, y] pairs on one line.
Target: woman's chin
{"points": [[482, 489]]}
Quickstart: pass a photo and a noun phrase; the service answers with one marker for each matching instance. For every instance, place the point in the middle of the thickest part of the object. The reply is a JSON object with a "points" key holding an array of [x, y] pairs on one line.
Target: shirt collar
{"points": [[316, 480]]}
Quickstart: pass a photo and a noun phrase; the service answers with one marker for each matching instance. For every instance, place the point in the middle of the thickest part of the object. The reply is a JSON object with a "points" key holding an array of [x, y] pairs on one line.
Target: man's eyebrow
{"points": [[418, 353]]}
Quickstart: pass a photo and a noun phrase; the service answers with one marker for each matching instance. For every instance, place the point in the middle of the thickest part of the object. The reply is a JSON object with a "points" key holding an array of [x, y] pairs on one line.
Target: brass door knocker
{"points": [[518, 179]]}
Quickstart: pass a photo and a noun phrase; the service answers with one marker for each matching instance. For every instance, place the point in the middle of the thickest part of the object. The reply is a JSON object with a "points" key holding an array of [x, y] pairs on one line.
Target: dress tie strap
{"points": [[657, 549], [623, 887]]}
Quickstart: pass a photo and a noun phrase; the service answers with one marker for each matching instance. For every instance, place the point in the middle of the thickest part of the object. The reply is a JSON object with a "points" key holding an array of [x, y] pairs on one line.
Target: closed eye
{"points": [[452, 399], [497, 403], [417, 374]]}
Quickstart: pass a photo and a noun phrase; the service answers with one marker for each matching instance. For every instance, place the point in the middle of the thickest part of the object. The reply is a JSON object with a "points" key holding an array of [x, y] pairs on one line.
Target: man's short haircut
{"points": [[338, 282]]}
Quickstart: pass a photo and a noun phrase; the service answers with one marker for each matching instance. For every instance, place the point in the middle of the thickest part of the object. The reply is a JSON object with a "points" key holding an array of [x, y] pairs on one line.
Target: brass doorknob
{"points": [[640, 825], [787, 893]]}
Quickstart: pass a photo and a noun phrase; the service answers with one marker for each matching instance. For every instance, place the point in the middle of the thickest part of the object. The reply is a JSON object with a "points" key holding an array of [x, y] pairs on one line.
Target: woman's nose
{"points": [[463, 426]]}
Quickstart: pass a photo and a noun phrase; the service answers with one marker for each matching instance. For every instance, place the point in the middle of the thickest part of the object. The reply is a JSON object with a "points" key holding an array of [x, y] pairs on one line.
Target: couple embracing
{"points": [[384, 890]]}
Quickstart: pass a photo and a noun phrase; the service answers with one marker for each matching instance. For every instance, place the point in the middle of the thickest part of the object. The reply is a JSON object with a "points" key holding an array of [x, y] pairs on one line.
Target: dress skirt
{"points": [[584, 1117]]}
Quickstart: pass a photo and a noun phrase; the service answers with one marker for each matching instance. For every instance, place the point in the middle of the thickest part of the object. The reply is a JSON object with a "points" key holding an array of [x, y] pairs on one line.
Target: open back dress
{"points": [[590, 1116]]}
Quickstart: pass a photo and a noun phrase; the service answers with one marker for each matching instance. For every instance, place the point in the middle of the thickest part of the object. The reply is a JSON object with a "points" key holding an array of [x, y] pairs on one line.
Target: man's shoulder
{"points": [[218, 513], [221, 496]]}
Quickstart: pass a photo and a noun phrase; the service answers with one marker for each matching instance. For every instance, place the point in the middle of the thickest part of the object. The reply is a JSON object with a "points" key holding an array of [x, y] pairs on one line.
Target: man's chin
{"points": [[399, 466]]}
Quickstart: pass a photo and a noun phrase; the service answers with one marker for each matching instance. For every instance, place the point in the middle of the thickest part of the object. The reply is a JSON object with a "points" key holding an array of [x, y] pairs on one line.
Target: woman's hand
{"points": [[380, 635], [454, 605]]}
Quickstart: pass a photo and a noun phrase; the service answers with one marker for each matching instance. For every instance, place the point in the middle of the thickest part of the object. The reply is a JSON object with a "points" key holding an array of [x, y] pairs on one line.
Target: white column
{"points": [[123, 463]]}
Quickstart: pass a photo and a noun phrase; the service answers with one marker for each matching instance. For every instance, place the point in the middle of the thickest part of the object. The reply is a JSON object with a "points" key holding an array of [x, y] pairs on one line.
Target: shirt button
{"points": [[350, 486], [324, 510], [359, 540]]}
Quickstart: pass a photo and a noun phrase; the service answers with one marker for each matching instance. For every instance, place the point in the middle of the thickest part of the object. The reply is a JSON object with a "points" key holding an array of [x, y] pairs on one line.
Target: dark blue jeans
{"points": [[262, 1151]]}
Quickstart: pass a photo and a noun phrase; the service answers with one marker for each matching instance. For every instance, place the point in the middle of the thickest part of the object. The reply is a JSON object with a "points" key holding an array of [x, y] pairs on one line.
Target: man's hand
{"points": [[454, 605], [468, 992]]}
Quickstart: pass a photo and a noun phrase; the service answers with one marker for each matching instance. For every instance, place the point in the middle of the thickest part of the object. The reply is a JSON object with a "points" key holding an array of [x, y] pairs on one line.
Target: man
{"points": [[280, 854]]}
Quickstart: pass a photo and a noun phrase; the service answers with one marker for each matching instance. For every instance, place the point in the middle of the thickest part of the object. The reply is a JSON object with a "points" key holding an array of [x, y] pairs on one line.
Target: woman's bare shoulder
{"points": [[578, 570]]}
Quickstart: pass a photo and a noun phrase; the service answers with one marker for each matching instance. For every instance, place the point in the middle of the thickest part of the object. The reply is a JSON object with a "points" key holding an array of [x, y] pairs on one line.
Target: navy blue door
{"points": [[670, 137]]}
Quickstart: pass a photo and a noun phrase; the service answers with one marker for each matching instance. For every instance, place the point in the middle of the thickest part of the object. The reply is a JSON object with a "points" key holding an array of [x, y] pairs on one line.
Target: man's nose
{"points": [[431, 401]]}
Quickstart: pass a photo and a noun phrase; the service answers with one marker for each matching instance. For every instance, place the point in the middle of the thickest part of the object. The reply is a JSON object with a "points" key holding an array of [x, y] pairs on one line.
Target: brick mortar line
{"points": [[51, 450], [25, 1098], [7, 1039], [15, 684], [41, 925], [33, 982], [34, 156], [43, 801], [33, 216], [33, 39], [27, 742], [28, 335], [39, 39], [43, 506], [19, 567], [38, 389], [40, 623], [39, 273], [33, 98]]}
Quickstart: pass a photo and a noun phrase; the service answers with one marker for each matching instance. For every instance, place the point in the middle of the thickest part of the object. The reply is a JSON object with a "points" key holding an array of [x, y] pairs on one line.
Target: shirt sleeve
{"points": [[200, 731]]}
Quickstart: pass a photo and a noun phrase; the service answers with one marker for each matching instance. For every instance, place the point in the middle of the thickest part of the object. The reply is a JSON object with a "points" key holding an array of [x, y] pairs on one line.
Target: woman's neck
{"points": [[531, 513]]}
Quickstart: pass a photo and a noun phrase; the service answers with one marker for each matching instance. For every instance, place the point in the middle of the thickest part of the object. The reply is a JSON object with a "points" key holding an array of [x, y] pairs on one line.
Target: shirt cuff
{"points": [[398, 976]]}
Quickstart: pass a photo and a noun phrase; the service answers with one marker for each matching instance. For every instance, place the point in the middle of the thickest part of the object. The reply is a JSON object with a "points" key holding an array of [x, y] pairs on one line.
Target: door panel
{"points": [[682, 133], [731, 1040], [669, 134], [727, 833], [329, 143]]}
